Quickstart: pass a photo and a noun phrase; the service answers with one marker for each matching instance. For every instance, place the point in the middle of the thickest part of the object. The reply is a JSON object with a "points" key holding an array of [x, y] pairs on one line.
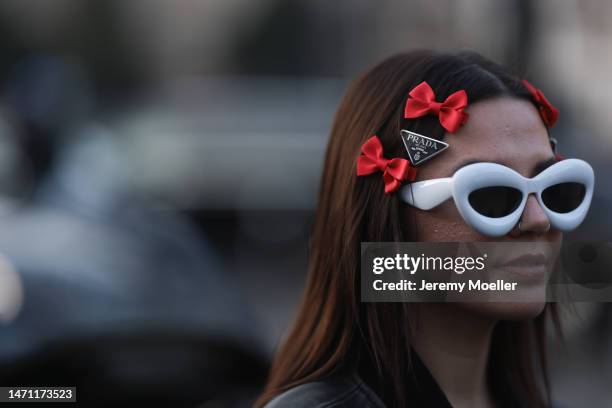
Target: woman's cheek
{"points": [[444, 224]]}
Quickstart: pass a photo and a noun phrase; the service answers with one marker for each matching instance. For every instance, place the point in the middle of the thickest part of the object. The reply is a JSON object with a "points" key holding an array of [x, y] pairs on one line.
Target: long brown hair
{"points": [[333, 329]]}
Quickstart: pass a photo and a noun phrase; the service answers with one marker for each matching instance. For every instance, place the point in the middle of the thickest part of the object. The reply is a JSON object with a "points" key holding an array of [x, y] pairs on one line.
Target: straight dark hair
{"points": [[333, 329]]}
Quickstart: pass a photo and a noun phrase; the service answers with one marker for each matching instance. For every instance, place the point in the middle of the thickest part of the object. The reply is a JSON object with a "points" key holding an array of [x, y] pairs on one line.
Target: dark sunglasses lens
{"points": [[564, 197], [495, 202]]}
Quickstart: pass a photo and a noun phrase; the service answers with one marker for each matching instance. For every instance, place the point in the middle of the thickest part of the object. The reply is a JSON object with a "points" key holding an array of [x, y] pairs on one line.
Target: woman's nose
{"points": [[533, 219]]}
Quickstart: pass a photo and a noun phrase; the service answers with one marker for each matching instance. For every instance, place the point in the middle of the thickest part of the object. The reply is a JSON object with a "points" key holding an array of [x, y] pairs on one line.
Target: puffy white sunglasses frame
{"points": [[428, 194]]}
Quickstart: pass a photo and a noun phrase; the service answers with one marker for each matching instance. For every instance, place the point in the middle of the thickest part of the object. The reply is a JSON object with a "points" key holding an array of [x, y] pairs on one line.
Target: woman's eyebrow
{"points": [[538, 168], [472, 161], [543, 165]]}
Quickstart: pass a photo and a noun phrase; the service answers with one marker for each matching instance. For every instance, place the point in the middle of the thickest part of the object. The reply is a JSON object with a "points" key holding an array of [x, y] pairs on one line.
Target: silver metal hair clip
{"points": [[553, 144]]}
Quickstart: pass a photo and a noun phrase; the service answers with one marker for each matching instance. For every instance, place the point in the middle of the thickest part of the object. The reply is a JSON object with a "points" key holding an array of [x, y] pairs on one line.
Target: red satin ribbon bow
{"points": [[549, 113], [422, 101], [394, 170]]}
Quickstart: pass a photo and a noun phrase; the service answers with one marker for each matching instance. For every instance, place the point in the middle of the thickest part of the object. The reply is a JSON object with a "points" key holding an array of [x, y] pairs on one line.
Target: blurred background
{"points": [[159, 164]]}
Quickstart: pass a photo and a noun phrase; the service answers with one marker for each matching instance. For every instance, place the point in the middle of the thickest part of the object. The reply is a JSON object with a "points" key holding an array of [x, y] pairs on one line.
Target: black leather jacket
{"points": [[342, 391], [350, 390]]}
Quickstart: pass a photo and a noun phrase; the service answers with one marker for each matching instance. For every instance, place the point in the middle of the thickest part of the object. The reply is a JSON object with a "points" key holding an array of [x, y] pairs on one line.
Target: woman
{"points": [[342, 352]]}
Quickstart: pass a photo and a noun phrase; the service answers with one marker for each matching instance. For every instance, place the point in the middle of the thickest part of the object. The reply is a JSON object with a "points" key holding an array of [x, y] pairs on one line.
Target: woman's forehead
{"points": [[503, 130]]}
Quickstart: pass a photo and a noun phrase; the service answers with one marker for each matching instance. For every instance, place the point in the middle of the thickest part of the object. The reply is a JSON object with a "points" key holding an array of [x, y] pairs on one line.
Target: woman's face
{"points": [[504, 130]]}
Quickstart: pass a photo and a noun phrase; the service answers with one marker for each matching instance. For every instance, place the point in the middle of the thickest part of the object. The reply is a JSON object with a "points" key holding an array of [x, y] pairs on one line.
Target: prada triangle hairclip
{"points": [[421, 148]]}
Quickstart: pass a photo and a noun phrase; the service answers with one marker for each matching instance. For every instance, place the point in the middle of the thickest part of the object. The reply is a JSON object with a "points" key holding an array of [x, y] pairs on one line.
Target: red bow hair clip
{"points": [[394, 170], [422, 101], [548, 112]]}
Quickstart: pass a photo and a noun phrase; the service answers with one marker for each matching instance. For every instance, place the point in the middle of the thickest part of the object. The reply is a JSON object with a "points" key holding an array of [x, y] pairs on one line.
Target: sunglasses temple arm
{"points": [[427, 194]]}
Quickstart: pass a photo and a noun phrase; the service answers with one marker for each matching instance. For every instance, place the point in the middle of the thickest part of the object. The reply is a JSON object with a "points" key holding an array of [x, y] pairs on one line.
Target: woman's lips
{"points": [[528, 265]]}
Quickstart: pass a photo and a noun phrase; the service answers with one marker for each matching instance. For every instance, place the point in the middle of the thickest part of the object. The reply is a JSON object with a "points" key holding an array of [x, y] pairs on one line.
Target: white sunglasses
{"points": [[491, 197]]}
